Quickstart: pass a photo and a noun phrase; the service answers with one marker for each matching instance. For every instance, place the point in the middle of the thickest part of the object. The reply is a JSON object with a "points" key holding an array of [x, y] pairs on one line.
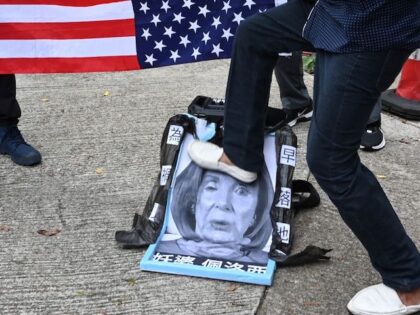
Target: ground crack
{"points": [[59, 211], [262, 299]]}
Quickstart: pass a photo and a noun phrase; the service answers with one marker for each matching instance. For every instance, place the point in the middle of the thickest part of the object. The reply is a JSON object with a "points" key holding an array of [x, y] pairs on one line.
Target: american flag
{"points": [[182, 31], [45, 36]]}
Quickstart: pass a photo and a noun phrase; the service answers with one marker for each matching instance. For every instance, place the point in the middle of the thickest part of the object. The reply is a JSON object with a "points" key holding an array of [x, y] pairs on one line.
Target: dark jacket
{"points": [[348, 26]]}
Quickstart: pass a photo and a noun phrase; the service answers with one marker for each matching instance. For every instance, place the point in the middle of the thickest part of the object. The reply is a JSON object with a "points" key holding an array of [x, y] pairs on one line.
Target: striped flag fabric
{"points": [[45, 36], [62, 36]]}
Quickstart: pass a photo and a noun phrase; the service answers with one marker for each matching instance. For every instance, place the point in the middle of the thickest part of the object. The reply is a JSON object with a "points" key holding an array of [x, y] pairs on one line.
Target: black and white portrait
{"points": [[216, 216], [216, 226]]}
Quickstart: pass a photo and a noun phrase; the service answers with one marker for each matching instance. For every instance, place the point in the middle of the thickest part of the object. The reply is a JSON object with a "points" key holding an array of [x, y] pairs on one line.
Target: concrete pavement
{"points": [[99, 135]]}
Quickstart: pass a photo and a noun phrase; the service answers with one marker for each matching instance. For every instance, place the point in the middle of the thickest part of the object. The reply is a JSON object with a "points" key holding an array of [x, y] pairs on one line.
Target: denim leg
{"points": [[258, 41], [346, 89]]}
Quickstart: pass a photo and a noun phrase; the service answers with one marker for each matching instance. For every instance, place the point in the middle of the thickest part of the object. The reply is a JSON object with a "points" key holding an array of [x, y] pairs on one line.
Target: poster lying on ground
{"points": [[216, 226]]}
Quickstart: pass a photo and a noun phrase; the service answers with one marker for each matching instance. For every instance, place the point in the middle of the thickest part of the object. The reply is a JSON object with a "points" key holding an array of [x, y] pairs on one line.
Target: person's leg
{"points": [[346, 89], [294, 95], [375, 115], [258, 41], [289, 75], [373, 138], [11, 140], [9, 106]]}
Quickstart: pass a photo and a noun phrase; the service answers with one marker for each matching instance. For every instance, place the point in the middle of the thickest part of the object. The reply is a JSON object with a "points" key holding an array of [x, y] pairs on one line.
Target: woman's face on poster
{"points": [[225, 208]]}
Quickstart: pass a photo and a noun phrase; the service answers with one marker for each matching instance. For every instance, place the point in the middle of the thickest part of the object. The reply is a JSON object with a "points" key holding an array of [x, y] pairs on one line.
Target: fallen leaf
{"points": [[4, 228], [381, 176], [404, 141], [131, 281], [106, 93], [51, 232], [237, 303], [99, 171], [87, 294], [233, 287]]}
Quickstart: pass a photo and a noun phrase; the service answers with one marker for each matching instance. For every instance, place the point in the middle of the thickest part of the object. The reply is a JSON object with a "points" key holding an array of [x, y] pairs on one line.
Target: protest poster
{"points": [[216, 226]]}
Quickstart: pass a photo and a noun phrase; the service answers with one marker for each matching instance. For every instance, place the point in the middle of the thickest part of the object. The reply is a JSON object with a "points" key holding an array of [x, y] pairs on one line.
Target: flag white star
{"points": [[174, 55], [217, 50], [194, 26], [238, 18], [169, 32], [227, 34], [155, 19], [216, 22], [150, 59], [165, 6], [178, 18], [203, 11], [159, 45], [196, 53], [146, 34], [144, 7], [206, 37], [188, 4], [184, 40], [249, 3], [226, 6]]}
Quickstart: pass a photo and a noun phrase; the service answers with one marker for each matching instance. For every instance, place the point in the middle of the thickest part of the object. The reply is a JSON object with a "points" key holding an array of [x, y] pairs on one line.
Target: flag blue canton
{"points": [[172, 32]]}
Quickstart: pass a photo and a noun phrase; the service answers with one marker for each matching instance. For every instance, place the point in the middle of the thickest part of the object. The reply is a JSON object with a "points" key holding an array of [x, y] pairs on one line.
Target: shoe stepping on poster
{"points": [[216, 226]]}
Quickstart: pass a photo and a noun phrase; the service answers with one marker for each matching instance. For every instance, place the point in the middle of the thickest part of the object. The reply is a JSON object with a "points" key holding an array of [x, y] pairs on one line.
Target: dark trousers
{"points": [[9, 106], [289, 76], [293, 92], [346, 88]]}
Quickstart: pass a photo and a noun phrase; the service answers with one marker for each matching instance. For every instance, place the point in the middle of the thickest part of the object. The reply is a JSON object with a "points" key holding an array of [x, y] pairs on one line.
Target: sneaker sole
{"points": [[212, 163], [303, 118], [378, 147], [22, 162], [26, 163]]}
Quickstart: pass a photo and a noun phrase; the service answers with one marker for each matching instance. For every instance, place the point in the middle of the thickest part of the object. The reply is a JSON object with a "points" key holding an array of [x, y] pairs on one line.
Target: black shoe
{"points": [[294, 116], [13, 144], [373, 138]]}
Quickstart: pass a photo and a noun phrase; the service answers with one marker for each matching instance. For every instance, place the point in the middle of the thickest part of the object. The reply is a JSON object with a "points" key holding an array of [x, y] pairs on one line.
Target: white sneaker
{"points": [[379, 300], [207, 155]]}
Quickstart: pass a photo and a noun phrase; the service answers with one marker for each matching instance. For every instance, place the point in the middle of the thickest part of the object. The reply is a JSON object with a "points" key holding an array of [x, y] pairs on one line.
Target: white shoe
{"points": [[207, 155], [379, 300]]}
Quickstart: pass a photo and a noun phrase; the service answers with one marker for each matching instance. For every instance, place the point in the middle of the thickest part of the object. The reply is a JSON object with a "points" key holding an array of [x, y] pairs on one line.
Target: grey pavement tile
{"points": [[100, 157]]}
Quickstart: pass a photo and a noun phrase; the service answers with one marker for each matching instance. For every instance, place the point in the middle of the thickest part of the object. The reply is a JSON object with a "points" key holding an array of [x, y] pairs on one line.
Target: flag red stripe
{"points": [[68, 65], [71, 30], [73, 3]]}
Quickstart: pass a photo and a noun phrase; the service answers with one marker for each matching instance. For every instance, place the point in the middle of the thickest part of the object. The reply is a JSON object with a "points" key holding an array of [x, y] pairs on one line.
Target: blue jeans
{"points": [[346, 88], [293, 92]]}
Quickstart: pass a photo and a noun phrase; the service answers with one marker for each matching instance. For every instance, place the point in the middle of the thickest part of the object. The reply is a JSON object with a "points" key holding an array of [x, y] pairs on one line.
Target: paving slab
{"points": [[99, 134]]}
